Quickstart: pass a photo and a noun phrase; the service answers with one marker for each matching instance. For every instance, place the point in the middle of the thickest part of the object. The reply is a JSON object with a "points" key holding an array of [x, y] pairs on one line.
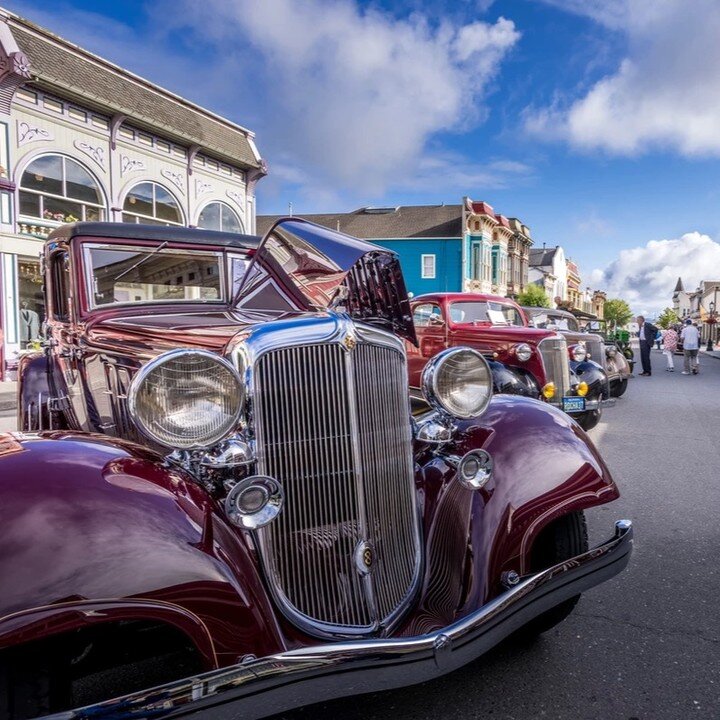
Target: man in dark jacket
{"points": [[646, 333]]}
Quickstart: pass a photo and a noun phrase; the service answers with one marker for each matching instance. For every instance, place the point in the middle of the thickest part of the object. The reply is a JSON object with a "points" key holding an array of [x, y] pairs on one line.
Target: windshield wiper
{"points": [[141, 261]]}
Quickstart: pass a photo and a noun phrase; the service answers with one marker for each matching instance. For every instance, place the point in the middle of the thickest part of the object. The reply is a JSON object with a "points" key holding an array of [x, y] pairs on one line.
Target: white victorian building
{"points": [[83, 139]]}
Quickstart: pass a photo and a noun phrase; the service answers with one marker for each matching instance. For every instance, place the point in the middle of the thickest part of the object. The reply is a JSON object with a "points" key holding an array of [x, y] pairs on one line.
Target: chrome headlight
{"points": [[578, 352], [523, 352], [458, 382], [186, 399]]}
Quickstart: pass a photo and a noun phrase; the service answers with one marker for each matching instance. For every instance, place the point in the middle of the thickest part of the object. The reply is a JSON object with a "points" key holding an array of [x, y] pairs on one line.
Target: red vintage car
{"points": [[524, 361], [219, 503]]}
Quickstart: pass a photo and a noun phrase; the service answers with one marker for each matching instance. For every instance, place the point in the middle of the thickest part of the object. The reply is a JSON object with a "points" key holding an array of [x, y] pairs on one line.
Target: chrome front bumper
{"points": [[273, 684]]}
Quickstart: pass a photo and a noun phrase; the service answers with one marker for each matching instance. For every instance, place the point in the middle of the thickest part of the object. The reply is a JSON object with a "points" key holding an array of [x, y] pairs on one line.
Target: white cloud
{"points": [[665, 92], [646, 276], [354, 95]]}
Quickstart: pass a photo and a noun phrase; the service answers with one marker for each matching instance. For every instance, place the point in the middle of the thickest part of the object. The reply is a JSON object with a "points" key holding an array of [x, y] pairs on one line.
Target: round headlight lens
{"points": [[458, 381], [186, 399], [523, 352], [579, 353]]}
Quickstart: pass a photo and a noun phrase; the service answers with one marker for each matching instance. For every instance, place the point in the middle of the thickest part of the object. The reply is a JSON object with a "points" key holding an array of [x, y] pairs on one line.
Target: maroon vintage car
{"points": [[525, 361], [220, 505]]}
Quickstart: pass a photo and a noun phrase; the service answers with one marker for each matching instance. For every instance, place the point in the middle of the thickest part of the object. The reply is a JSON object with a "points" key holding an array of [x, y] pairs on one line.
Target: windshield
{"points": [[122, 275], [494, 313], [556, 322]]}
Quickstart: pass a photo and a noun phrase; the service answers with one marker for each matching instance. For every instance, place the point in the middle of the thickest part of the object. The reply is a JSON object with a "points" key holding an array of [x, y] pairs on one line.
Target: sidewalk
{"points": [[8, 398]]}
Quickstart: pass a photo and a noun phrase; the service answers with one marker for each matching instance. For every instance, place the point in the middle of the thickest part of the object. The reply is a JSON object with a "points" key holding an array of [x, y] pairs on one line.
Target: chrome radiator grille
{"points": [[596, 347], [557, 365], [333, 426]]}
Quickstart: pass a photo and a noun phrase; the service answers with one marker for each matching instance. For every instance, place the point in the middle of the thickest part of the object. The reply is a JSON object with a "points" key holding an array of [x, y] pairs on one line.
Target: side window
{"points": [[59, 285], [427, 315]]}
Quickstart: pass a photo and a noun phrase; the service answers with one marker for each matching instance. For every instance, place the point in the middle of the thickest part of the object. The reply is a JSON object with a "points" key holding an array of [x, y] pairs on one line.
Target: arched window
{"points": [[150, 203], [56, 188], [219, 216]]}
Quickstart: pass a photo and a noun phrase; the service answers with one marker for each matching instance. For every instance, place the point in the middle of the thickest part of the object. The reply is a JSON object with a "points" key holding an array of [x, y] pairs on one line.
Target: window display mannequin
{"points": [[29, 324]]}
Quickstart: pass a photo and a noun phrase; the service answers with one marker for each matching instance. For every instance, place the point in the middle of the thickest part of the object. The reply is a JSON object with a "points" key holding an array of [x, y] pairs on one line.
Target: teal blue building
{"points": [[442, 248]]}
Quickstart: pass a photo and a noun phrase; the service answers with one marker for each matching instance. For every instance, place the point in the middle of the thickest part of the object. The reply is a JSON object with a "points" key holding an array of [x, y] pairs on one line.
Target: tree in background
{"points": [[533, 296], [617, 312], [667, 318]]}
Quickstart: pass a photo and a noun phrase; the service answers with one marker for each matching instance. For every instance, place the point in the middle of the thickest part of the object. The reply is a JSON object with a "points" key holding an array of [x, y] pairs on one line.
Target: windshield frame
{"points": [[151, 247], [488, 322]]}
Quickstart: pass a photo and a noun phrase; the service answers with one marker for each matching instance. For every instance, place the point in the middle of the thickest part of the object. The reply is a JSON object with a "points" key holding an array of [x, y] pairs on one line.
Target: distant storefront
{"points": [[82, 139]]}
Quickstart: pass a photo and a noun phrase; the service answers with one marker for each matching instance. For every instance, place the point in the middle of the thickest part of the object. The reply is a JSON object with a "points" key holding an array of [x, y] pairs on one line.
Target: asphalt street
{"points": [[644, 646]]}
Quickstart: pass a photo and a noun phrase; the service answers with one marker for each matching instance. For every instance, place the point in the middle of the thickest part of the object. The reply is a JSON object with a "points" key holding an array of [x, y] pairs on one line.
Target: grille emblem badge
{"points": [[349, 342], [364, 557]]}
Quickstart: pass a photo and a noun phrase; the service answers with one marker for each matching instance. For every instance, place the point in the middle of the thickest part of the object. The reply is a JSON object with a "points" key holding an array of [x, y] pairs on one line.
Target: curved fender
{"points": [[512, 381], [89, 521], [544, 466], [593, 374]]}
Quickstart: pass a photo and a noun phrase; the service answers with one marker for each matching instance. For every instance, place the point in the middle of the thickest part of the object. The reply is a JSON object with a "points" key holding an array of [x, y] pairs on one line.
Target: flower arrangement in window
{"points": [[59, 216]]}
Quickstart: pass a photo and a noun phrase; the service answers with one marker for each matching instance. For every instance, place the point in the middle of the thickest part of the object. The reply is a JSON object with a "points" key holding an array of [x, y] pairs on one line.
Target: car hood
{"points": [[510, 333], [303, 267]]}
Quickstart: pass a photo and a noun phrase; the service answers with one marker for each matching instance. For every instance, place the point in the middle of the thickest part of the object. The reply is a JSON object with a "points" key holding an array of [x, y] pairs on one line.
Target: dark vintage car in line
{"points": [[523, 360], [616, 337], [219, 504], [606, 354]]}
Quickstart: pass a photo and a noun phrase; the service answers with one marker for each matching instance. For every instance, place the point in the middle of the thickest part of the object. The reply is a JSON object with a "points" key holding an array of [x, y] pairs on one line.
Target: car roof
{"points": [[132, 231], [462, 296], [548, 311]]}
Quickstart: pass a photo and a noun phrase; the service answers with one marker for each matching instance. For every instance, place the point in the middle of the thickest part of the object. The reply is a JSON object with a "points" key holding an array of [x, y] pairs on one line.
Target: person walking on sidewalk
{"points": [[691, 344], [670, 340], [646, 333]]}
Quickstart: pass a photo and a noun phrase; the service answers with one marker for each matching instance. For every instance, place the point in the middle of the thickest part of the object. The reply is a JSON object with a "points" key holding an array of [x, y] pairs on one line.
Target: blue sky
{"points": [[597, 122]]}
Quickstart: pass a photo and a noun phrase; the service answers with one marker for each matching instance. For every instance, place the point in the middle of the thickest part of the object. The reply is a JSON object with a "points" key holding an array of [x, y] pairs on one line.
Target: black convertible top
{"points": [[133, 231]]}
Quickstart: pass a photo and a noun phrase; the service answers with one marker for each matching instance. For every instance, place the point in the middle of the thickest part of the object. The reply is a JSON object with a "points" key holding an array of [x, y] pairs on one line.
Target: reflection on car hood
{"points": [[301, 267]]}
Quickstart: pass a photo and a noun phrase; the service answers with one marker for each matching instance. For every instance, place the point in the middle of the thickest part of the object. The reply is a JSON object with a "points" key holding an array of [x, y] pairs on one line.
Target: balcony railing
{"points": [[36, 228]]}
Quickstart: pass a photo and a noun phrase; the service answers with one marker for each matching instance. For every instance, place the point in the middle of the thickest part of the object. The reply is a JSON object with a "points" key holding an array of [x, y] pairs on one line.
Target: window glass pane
{"points": [[45, 175], [165, 205], [427, 315], [32, 303], [210, 217], [29, 204], [61, 210], [122, 275], [79, 184], [230, 221], [140, 200]]}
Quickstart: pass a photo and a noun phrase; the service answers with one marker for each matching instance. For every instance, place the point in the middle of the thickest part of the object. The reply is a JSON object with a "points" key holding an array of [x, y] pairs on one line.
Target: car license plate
{"points": [[573, 404]]}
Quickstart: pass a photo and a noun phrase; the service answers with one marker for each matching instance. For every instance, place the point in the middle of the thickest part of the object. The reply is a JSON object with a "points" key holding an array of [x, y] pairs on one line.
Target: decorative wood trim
{"points": [[238, 199], [28, 133], [202, 187], [176, 178], [95, 152], [128, 165]]}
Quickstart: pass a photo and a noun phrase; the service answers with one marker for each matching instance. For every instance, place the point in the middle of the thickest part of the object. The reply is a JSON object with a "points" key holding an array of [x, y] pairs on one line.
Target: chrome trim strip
{"points": [[277, 683]]}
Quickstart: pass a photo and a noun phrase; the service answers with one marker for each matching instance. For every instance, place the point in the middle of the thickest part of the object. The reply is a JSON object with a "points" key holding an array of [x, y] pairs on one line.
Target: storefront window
{"points": [[31, 304], [219, 216], [58, 189], [151, 204]]}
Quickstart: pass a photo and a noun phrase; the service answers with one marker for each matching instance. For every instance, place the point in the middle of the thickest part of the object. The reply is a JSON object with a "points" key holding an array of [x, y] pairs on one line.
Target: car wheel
{"points": [[562, 539], [589, 419], [619, 388]]}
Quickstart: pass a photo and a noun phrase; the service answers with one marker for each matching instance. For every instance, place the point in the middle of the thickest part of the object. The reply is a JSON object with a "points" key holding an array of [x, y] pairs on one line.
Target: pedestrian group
{"points": [[687, 334]]}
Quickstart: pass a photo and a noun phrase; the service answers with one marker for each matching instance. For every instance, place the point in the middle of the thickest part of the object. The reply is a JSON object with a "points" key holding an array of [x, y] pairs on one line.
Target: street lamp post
{"points": [[711, 322]]}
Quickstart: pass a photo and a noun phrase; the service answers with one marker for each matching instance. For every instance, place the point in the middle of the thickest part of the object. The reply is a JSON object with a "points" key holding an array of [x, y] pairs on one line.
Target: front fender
{"points": [[545, 466], [513, 381], [596, 378], [87, 520]]}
